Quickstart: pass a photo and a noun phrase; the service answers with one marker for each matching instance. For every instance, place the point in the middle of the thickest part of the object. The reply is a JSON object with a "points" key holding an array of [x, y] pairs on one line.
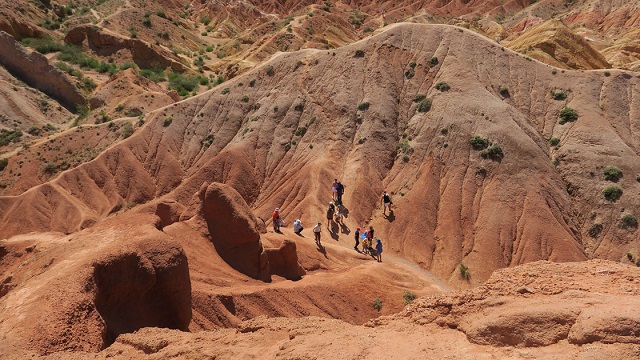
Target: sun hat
{"points": [[277, 209]]}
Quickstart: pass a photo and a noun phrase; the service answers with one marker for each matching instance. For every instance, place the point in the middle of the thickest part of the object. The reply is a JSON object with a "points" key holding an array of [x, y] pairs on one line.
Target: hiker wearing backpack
{"points": [[316, 232], [330, 211], [386, 201], [339, 192], [379, 250]]}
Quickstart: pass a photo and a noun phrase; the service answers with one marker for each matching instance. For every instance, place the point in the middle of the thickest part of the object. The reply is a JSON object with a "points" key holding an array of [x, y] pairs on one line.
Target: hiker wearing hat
{"points": [[386, 200], [316, 232], [276, 220], [330, 212]]}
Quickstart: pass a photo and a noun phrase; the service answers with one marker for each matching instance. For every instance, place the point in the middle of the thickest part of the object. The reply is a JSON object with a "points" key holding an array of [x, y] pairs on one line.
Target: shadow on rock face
{"points": [[284, 261], [143, 289]]}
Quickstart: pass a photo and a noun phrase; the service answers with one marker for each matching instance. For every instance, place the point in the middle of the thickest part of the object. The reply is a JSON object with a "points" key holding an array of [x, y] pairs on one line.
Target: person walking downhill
{"points": [[334, 189], [357, 237], [316, 232], [339, 192], [386, 200], [330, 211], [276, 220], [379, 250]]}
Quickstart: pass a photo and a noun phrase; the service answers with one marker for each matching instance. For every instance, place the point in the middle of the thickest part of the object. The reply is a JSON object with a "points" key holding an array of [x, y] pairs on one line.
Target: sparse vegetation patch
{"points": [[408, 297], [628, 221], [424, 105], [567, 115], [443, 86], [612, 193], [612, 173]]}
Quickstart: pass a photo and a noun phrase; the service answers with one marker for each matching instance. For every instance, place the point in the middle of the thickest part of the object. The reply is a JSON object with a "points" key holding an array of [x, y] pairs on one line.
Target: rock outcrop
{"points": [[232, 228], [34, 69], [283, 261], [104, 43]]}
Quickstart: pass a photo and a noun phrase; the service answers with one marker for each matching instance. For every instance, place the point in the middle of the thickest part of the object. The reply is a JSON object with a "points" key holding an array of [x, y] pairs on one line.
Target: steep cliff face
{"points": [[34, 69]]}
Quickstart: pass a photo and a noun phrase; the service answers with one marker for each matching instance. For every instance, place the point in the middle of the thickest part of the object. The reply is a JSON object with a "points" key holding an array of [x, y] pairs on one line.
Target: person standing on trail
{"points": [[357, 237], [276, 220], [379, 250], [330, 212], [316, 232], [339, 192], [370, 235], [334, 189], [386, 201]]}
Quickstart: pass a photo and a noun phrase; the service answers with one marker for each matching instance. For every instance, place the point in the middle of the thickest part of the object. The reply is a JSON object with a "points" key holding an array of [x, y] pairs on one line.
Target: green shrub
{"points": [[252, 83], [7, 136], [363, 106], [208, 140], [133, 33], [419, 97], [630, 256], [225, 91], [443, 86], [612, 193], [612, 173], [595, 230], [44, 45], [155, 75], [359, 54], [409, 73], [205, 20], [493, 152], [3, 163], [146, 21], [560, 95], [554, 141], [299, 106], [377, 304], [183, 84], [133, 112], [167, 121], [424, 105], [270, 70], [127, 65], [464, 272], [607, 73], [433, 62], [408, 297], [567, 115], [301, 131], [127, 130], [160, 13], [478, 142], [50, 168], [628, 221], [504, 91]]}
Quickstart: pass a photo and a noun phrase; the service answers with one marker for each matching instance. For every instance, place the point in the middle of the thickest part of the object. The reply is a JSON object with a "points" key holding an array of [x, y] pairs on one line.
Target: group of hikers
{"points": [[335, 214]]}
